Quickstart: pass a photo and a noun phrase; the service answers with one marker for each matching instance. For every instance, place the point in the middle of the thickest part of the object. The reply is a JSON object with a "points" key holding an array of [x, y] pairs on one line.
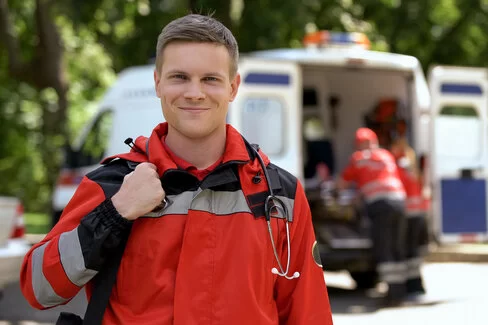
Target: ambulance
{"points": [[336, 82]]}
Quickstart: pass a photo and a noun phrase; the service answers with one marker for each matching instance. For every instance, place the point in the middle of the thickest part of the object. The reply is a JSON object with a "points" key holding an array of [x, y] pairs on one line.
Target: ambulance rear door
{"points": [[459, 167], [267, 110]]}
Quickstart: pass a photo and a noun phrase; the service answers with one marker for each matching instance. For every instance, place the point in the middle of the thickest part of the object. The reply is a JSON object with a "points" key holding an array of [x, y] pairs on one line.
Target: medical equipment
{"points": [[273, 205]]}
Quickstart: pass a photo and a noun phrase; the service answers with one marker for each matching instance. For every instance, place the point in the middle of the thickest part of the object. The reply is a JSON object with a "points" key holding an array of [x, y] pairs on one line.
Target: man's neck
{"points": [[200, 153]]}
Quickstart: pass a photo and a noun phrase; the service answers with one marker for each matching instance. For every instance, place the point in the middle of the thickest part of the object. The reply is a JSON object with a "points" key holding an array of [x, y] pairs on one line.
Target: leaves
{"points": [[102, 37]]}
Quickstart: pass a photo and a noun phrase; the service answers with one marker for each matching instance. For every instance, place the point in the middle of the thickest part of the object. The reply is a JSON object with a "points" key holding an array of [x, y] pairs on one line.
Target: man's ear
{"points": [[234, 87], [157, 80]]}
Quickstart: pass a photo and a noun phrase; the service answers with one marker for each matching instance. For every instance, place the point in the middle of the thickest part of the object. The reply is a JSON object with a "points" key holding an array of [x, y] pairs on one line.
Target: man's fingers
{"points": [[128, 175], [148, 164]]}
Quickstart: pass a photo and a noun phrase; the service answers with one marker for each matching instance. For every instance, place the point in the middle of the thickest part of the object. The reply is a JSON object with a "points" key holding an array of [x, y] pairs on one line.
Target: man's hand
{"points": [[140, 193]]}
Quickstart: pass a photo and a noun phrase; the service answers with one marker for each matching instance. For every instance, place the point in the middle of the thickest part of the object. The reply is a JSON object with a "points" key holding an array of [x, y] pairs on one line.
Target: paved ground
{"points": [[463, 253], [458, 291]]}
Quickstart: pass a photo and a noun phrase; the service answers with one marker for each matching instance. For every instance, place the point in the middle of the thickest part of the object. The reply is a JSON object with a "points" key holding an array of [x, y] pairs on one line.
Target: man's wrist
{"points": [[119, 206]]}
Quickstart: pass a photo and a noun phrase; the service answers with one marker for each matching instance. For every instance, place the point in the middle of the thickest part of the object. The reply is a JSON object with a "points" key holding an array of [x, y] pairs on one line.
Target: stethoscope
{"points": [[274, 203]]}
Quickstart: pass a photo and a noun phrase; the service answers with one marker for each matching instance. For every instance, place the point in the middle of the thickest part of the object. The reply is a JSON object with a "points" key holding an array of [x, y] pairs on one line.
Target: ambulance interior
{"points": [[342, 100]]}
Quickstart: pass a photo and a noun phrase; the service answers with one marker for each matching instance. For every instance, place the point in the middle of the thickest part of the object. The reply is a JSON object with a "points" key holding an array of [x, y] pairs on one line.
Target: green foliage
{"points": [[37, 223], [102, 37]]}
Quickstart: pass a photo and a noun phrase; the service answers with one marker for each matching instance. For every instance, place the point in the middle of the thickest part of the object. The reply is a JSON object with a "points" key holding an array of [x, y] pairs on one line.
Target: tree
{"points": [[43, 70], [34, 96]]}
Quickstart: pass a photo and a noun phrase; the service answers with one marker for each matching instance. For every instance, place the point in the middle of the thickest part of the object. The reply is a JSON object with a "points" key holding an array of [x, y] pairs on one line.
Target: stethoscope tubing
{"points": [[277, 204]]}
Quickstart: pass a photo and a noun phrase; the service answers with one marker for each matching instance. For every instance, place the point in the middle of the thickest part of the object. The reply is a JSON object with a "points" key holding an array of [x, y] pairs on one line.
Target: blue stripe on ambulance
{"points": [[267, 79], [461, 89]]}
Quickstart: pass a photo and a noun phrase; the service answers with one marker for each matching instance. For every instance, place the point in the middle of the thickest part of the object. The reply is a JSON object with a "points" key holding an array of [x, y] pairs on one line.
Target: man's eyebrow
{"points": [[208, 74], [175, 72], [214, 74]]}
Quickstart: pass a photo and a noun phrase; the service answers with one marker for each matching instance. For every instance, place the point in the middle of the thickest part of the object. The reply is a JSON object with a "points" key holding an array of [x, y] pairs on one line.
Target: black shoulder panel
{"points": [[288, 182], [111, 176]]}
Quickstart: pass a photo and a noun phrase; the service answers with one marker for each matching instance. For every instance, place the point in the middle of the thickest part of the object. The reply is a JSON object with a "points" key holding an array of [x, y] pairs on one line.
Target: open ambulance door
{"points": [[459, 166], [267, 110]]}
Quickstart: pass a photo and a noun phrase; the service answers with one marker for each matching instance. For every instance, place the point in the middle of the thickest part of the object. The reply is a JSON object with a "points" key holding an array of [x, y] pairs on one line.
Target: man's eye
{"points": [[178, 76], [211, 79]]}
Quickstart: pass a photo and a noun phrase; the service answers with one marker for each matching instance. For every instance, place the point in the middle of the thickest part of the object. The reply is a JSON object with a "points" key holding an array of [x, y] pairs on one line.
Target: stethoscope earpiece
{"points": [[294, 276]]}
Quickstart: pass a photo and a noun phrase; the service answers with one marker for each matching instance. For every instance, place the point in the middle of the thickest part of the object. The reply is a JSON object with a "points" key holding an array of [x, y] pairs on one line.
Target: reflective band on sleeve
{"points": [[72, 259], [43, 290]]}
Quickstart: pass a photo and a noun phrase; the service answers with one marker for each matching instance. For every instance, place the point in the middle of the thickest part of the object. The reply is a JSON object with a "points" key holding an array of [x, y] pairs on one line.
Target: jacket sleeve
{"points": [[303, 300], [72, 253], [349, 173]]}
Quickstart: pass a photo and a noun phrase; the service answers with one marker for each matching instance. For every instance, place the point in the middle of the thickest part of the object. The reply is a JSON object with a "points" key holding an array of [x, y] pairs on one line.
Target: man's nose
{"points": [[194, 91]]}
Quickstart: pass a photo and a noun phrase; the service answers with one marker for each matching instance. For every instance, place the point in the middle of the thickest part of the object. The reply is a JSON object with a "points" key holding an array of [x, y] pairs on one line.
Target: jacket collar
{"points": [[152, 150]]}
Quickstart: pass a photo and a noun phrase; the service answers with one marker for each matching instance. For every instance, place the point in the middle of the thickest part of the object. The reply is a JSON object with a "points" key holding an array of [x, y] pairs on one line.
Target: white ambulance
{"points": [[459, 153], [338, 81]]}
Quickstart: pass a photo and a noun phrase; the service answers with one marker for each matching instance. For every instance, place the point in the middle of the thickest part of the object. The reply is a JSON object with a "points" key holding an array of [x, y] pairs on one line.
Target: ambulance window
{"points": [[458, 111], [263, 122], [458, 132], [96, 141]]}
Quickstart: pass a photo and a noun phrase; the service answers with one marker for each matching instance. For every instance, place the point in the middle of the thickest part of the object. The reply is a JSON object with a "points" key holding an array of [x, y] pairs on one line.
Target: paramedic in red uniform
{"points": [[207, 256], [375, 173], [416, 233]]}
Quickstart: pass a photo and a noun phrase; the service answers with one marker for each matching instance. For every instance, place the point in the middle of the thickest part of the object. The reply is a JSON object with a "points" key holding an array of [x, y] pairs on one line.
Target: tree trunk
{"points": [[45, 71]]}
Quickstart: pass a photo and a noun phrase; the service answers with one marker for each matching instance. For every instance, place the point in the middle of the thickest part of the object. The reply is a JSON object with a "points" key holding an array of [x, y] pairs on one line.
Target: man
{"points": [[400, 146], [416, 233], [375, 173], [416, 210], [319, 162], [206, 257]]}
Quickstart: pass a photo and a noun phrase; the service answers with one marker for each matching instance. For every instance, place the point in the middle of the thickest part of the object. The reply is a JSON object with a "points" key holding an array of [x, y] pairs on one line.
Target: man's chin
{"points": [[195, 131]]}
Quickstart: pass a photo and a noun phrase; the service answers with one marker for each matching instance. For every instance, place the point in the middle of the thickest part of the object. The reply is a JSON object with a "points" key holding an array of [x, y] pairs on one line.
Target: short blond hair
{"points": [[200, 29]]}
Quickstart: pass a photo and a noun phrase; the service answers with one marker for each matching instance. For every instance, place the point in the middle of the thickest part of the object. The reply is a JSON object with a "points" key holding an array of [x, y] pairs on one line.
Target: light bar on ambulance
{"points": [[326, 38]]}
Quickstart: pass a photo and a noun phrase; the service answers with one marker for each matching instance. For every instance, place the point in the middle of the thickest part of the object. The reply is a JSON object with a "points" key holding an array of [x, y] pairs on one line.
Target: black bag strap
{"points": [[105, 279], [103, 283]]}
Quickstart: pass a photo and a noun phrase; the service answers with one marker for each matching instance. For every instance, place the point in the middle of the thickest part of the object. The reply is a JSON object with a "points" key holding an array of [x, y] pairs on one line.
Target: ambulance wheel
{"points": [[365, 280]]}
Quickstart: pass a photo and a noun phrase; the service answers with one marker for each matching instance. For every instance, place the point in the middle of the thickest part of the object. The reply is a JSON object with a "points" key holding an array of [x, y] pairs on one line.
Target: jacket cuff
{"points": [[100, 233], [110, 218]]}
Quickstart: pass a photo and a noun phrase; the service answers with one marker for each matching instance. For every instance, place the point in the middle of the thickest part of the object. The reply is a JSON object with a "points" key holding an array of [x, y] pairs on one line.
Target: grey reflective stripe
{"points": [[393, 278], [175, 204], [220, 202], [72, 259], [392, 272], [179, 204], [413, 268], [43, 291], [384, 195], [216, 202], [391, 267]]}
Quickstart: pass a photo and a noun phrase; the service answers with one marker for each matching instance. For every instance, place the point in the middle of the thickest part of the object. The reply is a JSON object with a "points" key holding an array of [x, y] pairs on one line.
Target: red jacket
{"points": [[376, 174], [415, 205], [206, 260]]}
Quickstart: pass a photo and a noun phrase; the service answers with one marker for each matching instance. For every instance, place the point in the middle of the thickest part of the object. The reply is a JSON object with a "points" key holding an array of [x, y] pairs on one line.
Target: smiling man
{"points": [[201, 248]]}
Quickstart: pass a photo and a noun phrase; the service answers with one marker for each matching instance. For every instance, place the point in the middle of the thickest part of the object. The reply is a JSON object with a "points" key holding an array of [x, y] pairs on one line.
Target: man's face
{"points": [[195, 87]]}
